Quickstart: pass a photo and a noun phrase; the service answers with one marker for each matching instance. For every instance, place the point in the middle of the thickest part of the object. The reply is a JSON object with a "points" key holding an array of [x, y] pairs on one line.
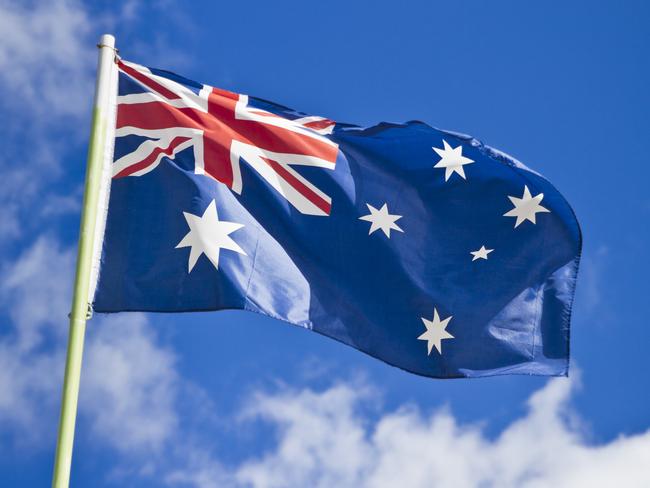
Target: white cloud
{"points": [[200, 470], [28, 385], [129, 385], [45, 61], [48, 55], [129, 381], [324, 441], [57, 205], [33, 291]]}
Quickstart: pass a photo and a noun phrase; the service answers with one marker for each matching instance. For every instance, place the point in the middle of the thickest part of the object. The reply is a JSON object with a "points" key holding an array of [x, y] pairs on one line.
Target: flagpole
{"points": [[80, 306]]}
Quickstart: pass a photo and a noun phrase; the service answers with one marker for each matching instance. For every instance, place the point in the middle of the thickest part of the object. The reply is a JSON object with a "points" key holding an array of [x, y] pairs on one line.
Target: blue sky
{"points": [[232, 399]]}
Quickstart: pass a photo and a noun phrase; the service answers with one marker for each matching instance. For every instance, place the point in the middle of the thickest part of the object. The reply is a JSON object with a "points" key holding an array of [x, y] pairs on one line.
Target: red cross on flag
{"points": [[222, 129]]}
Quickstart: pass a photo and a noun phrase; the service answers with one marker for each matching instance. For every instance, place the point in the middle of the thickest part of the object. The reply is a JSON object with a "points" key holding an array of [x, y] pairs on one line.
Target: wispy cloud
{"points": [[30, 368], [46, 73], [44, 58], [130, 385], [324, 441]]}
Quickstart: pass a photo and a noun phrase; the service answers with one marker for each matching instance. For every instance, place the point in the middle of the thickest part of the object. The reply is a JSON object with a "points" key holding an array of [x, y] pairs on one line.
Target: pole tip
{"points": [[107, 40]]}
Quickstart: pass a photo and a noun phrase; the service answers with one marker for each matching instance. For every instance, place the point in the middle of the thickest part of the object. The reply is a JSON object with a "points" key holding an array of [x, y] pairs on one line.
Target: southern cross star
{"points": [[208, 235], [481, 253], [381, 219], [452, 160], [436, 332], [526, 207]]}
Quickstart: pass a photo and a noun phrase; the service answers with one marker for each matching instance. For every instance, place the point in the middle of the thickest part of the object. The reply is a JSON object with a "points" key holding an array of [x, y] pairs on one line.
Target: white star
{"points": [[526, 207], [381, 219], [452, 160], [208, 235], [436, 332], [481, 253]]}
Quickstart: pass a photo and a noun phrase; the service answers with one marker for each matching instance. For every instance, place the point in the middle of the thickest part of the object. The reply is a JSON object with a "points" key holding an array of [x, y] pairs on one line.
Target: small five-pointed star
{"points": [[381, 219], [436, 332], [452, 160], [526, 207], [481, 253], [208, 235]]}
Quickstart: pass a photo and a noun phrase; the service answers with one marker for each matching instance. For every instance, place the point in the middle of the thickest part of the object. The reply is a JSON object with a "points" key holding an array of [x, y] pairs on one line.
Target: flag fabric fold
{"points": [[421, 247]]}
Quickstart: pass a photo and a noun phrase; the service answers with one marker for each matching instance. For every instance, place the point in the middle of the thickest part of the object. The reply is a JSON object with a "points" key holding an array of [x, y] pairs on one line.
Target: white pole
{"points": [[80, 305]]}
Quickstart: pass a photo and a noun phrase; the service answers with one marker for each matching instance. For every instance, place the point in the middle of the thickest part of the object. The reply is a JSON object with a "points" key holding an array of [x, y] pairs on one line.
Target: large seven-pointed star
{"points": [[208, 235], [452, 160], [436, 332], [526, 207], [381, 219]]}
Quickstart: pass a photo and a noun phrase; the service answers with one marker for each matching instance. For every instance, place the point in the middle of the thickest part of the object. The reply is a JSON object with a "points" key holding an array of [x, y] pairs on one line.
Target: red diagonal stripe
{"points": [[319, 124], [314, 198], [167, 151]]}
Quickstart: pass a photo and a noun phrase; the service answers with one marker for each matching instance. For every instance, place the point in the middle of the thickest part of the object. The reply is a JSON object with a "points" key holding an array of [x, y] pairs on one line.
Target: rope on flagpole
{"points": [[81, 310]]}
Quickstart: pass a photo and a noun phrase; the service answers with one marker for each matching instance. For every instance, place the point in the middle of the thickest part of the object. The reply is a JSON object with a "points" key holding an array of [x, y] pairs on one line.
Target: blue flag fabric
{"points": [[421, 247]]}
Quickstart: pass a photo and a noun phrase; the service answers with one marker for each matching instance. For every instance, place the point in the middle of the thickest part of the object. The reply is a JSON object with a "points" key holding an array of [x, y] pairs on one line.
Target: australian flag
{"points": [[424, 248]]}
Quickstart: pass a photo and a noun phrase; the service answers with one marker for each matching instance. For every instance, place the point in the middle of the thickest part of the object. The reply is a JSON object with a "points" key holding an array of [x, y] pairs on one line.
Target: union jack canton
{"points": [[222, 129]]}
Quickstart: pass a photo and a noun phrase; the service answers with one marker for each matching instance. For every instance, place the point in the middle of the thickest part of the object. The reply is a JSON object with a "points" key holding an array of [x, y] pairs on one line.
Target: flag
{"points": [[424, 248]]}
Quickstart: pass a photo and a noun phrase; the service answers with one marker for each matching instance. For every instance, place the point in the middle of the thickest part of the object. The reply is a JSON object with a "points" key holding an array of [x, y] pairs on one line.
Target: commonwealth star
{"points": [[208, 235]]}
